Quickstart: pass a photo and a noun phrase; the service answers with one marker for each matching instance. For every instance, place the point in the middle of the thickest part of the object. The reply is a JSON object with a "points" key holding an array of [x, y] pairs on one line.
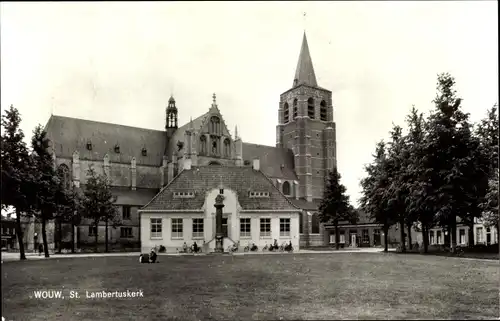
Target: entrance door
{"points": [[353, 240], [488, 238]]}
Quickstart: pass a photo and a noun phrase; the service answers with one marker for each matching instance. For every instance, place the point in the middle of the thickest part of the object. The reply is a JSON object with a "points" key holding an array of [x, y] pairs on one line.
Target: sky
{"points": [[120, 62]]}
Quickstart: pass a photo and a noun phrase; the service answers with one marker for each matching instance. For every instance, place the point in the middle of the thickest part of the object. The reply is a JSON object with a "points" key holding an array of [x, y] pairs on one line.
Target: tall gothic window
{"points": [[215, 146], [227, 148], [322, 111], [215, 125], [295, 108], [203, 145], [64, 176], [315, 224], [286, 113], [286, 188], [310, 108]]}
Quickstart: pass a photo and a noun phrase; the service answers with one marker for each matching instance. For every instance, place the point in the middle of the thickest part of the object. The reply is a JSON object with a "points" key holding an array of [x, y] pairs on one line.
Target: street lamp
{"points": [[35, 237]]}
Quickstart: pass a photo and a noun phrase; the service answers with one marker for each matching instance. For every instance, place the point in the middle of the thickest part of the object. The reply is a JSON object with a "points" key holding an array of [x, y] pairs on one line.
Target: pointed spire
{"points": [[236, 132], [305, 70], [191, 123], [214, 101]]}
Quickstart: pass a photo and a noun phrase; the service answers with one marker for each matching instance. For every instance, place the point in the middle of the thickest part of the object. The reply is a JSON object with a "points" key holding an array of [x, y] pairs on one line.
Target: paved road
{"points": [[11, 256]]}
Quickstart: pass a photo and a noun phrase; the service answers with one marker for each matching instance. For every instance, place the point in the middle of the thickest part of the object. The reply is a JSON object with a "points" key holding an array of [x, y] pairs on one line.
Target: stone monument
{"points": [[219, 235]]}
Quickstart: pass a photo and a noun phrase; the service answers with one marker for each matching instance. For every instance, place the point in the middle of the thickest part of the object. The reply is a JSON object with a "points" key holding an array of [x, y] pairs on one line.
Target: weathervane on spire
{"points": [[304, 19]]}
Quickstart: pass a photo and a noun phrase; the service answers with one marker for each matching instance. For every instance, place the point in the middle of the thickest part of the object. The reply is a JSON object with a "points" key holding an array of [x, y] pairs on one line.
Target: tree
{"points": [[335, 206], [454, 168], [418, 186], [68, 212], [51, 194], [488, 134], [15, 173], [490, 205], [373, 199], [98, 203], [397, 175]]}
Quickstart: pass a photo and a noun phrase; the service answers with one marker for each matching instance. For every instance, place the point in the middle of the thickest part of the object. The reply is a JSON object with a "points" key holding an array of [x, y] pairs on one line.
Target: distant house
{"points": [[365, 233], [9, 241]]}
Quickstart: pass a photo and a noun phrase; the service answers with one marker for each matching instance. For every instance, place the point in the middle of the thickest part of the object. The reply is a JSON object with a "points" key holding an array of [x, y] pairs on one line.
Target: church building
{"points": [[166, 181]]}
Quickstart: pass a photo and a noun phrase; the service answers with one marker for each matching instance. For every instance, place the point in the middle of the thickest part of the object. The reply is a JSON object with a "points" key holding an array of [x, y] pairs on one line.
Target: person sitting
{"points": [[184, 248], [144, 258], [275, 245], [196, 248], [153, 256], [253, 247]]}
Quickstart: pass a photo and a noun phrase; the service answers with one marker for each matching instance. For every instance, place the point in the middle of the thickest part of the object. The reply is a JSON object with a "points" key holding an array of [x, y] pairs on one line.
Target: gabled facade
{"points": [[255, 210]]}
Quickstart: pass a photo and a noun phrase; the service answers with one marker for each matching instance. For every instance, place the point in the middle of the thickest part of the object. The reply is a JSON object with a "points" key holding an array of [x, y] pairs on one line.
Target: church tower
{"points": [[305, 125], [171, 122]]}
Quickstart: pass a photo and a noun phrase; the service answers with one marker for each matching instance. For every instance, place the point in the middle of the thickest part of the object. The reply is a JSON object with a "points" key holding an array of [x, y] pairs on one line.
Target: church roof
{"points": [[305, 205], [304, 74], [271, 160], [69, 134], [201, 179]]}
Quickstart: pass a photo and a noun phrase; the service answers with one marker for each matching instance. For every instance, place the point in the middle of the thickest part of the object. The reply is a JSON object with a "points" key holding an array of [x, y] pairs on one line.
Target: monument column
{"points": [[219, 235]]}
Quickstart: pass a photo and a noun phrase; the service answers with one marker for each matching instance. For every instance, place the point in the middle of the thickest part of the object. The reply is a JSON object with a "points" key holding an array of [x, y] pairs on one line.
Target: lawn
{"points": [[258, 287]]}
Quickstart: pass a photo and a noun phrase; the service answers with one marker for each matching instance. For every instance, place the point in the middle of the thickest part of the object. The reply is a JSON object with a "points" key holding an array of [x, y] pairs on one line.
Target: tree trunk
{"points": [[96, 239], [402, 233], [44, 237], [409, 225], [19, 232], [386, 238], [106, 235], [425, 238], [453, 227], [337, 236], [59, 235], [72, 237]]}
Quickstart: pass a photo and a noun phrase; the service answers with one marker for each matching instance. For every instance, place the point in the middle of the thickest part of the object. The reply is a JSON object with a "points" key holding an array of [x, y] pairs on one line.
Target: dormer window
{"points": [[89, 145], [259, 194], [117, 149], [144, 151], [183, 194]]}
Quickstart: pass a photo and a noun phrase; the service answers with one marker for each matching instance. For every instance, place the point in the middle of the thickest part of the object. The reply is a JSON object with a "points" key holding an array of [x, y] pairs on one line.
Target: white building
{"points": [[255, 210]]}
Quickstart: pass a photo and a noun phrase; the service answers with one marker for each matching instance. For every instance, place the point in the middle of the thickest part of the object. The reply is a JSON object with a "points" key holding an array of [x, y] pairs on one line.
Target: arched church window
{"points": [[214, 147], [64, 176], [286, 188], [203, 145], [310, 108], [215, 125], [227, 148], [286, 113], [322, 111], [295, 108], [315, 224]]}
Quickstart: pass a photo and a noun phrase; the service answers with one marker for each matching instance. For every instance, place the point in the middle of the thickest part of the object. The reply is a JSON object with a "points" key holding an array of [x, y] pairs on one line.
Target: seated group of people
{"points": [[194, 248], [148, 258]]}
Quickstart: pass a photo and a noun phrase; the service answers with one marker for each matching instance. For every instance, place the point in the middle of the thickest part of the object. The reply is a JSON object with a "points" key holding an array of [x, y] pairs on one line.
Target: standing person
{"points": [[40, 249]]}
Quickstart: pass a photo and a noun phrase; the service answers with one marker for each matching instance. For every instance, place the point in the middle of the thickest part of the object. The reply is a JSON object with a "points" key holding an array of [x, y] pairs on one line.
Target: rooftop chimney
{"points": [[256, 164]]}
